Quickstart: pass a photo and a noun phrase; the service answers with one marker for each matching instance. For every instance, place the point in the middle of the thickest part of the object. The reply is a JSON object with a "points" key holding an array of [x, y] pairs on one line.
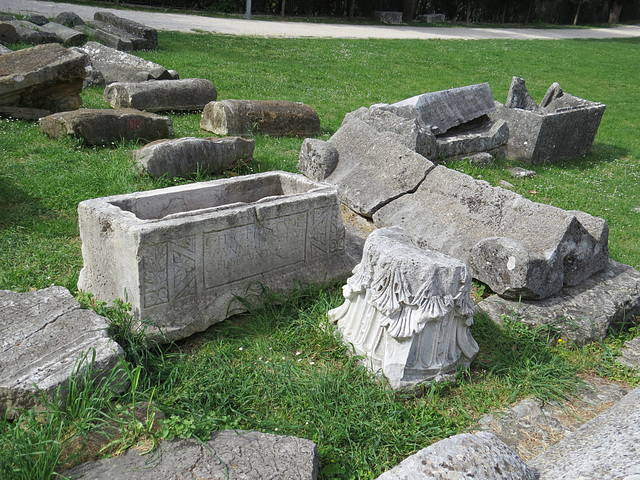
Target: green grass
{"points": [[222, 379]]}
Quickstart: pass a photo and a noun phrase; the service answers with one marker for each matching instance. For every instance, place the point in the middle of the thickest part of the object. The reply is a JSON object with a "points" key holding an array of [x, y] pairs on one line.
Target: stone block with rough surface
{"points": [[105, 127], [161, 95], [630, 353], [228, 455], [43, 338], [186, 155], [388, 17], [464, 457], [33, 34], [582, 313], [518, 247], [277, 118], [65, 35], [407, 311], [149, 34], [183, 255]]}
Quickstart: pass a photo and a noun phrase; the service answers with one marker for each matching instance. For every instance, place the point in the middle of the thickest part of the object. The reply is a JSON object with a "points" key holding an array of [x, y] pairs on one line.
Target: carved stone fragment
{"points": [[408, 311], [65, 35], [149, 34], [161, 95]]}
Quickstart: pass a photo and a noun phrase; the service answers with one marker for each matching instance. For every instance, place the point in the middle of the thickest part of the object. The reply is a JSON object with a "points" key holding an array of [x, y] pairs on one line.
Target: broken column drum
{"points": [[408, 311], [182, 256]]}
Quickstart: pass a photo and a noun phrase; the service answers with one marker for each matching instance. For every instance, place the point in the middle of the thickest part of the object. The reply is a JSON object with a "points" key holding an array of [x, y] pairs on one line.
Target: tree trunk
{"points": [[352, 8], [468, 12], [504, 12], [408, 10], [575, 18], [614, 13], [531, 5], [282, 9]]}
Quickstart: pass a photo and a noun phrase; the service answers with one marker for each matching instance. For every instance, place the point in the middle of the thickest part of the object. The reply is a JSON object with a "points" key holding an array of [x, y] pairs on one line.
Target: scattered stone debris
{"points": [[189, 94], [230, 454], [106, 127], [277, 118], [44, 335], [43, 78], [186, 155], [521, 172]]}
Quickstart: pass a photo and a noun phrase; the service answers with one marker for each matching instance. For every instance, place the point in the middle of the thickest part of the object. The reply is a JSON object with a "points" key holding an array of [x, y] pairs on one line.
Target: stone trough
{"points": [[183, 256]]}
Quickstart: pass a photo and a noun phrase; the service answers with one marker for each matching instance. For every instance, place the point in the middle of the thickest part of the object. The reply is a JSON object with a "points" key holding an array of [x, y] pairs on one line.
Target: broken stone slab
{"points": [[482, 159], [318, 159], [630, 354], [605, 448], [186, 155], [185, 255], [4, 49], [445, 109], [278, 118], [105, 127], [149, 34], [161, 95], [33, 34], [581, 314], [388, 17], [532, 426], [65, 35], [47, 77], [520, 248], [8, 33], [481, 135], [228, 454], [465, 456], [69, 19], [566, 127], [373, 167], [115, 38], [117, 66], [43, 337], [519, 97], [36, 19], [407, 311]]}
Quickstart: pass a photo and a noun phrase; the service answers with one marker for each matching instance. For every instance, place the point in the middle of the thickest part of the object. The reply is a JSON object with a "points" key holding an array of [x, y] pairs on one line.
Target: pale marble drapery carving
{"points": [[408, 311]]}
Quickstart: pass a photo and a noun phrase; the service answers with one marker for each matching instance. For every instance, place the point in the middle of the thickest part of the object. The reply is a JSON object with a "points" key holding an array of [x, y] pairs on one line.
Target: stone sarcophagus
{"points": [[408, 311], [185, 256]]}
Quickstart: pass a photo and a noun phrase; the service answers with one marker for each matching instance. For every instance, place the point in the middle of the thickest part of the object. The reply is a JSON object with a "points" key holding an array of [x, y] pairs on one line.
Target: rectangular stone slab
{"points": [[183, 255], [161, 95]]}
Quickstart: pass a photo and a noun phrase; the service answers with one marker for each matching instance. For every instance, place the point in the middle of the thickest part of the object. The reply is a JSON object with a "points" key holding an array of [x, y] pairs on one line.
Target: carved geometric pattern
{"points": [[183, 259], [327, 233], [155, 284]]}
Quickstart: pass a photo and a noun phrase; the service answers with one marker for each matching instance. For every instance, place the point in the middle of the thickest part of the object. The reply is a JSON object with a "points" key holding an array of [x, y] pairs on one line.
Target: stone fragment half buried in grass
{"points": [[408, 311]]}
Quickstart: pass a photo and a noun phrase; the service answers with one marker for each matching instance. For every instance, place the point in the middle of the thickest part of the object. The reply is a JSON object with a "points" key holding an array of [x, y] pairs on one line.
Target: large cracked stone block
{"points": [[105, 127], [161, 95], [277, 118], [43, 337], [47, 77], [473, 137], [407, 311], [520, 248], [182, 156], [149, 34], [229, 454], [184, 255], [582, 313], [65, 35]]}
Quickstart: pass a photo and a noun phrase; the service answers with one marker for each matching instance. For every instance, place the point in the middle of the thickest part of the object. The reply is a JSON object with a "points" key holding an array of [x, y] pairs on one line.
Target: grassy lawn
{"points": [[279, 369]]}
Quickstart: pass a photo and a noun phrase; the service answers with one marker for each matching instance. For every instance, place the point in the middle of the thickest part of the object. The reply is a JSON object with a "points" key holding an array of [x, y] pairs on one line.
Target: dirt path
{"points": [[261, 28]]}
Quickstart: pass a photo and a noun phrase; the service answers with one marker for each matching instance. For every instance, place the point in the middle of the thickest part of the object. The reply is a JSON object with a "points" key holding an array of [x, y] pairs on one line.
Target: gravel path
{"points": [[261, 28]]}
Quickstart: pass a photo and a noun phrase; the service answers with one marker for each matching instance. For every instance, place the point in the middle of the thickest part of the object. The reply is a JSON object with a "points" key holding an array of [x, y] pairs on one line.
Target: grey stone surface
{"points": [[482, 159], [43, 336], [184, 255], [388, 17], [161, 95], [630, 354], [105, 127], [461, 457], [45, 77], [521, 172], [31, 33], [149, 34], [478, 136], [278, 118], [431, 18], [582, 313], [228, 455], [186, 155], [531, 426], [448, 108], [553, 93], [69, 19], [117, 66], [605, 448], [519, 97], [36, 19], [373, 167], [318, 159], [407, 311], [115, 38], [516, 246], [4, 49], [65, 35], [8, 33]]}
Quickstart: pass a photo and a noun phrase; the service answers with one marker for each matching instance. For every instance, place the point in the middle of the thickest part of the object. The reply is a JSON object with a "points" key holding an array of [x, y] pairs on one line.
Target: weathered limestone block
{"points": [[31, 33], [582, 313], [431, 18], [229, 454], [4, 49], [45, 77], [69, 19], [36, 19], [184, 255], [388, 17], [373, 167], [161, 95], [43, 336], [8, 33], [565, 127], [186, 155], [104, 127], [149, 34], [65, 35], [447, 108], [408, 311], [116, 38], [318, 159], [464, 456], [481, 136], [605, 448], [519, 97], [270, 117], [117, 66], [630, 354], [518, 247]]}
